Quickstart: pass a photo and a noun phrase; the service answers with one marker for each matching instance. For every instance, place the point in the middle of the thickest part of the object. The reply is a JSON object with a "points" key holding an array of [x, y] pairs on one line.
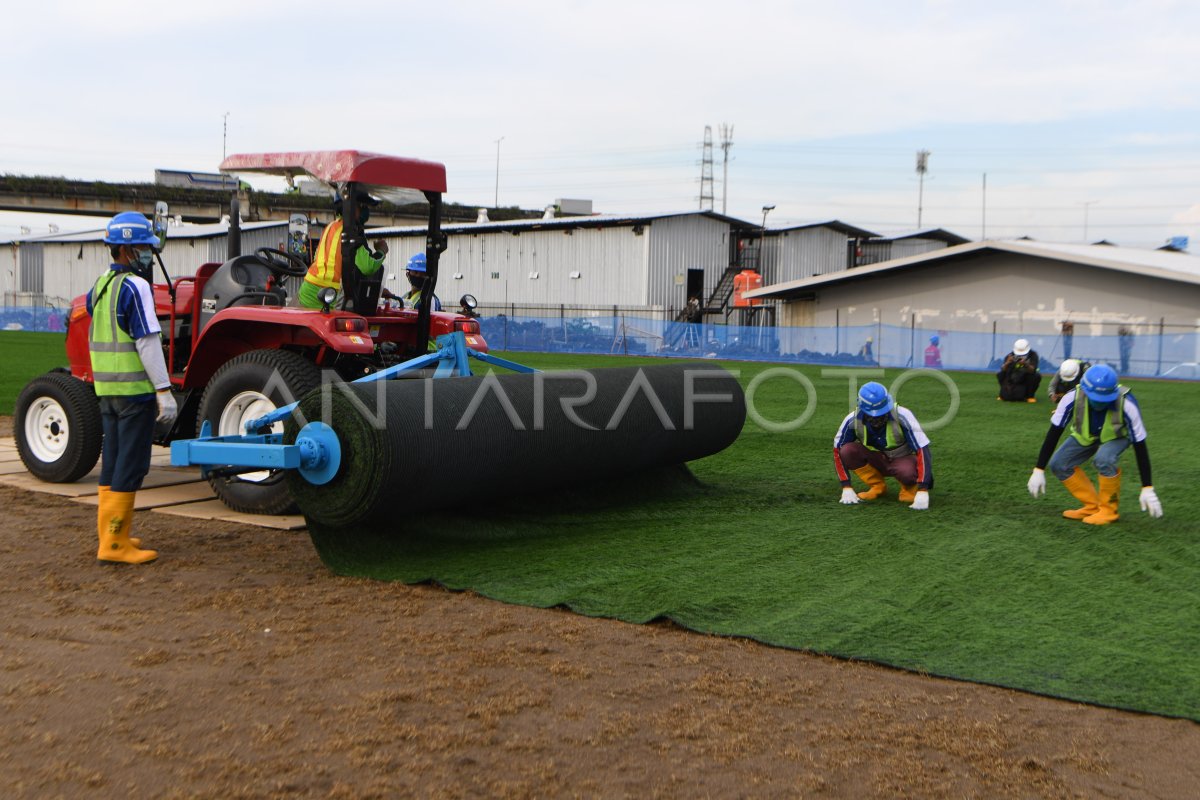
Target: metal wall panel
{"points": [[678, 244], [808, 252]]}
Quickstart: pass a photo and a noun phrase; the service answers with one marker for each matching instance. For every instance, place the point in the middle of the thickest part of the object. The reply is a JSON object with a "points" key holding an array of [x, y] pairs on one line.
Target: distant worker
{"points": [[1068, 337], [416, 273], [866, 352], [878, 439], [1125, 339], [326, 269], [933, 353], [1018, 376], [1104, 419], [1067, 378], [131, 381]]}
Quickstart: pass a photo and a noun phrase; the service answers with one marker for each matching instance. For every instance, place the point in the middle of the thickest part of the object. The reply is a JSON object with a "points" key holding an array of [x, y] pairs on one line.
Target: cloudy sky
{"points": [[1083, 115]]}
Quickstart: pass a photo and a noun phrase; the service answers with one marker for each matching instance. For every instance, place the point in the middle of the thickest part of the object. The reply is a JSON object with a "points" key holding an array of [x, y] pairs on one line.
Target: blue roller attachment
{"points": [[317, 451]]}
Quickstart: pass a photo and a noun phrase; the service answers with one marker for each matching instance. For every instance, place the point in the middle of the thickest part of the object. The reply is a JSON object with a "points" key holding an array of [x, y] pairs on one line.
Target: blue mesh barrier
{"points": [[1169, 355]]}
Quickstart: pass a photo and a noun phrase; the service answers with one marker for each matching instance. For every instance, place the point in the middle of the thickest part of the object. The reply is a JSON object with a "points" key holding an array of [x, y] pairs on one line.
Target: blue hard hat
{"points": [[130, 227], [934, 340], [874, 400], [416, 263], [1100, 383]]}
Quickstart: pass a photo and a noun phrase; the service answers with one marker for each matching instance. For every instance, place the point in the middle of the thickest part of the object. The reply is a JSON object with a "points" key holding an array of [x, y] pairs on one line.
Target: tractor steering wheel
{"points": [[280, 262]]}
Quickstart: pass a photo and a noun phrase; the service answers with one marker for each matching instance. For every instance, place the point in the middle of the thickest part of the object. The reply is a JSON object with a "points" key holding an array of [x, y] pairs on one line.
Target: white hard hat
{"points": [[1069, 369], [1020, 347]]}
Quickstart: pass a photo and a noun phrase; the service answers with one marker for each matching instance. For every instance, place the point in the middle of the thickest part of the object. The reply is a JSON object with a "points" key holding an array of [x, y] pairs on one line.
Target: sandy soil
{"points": [[238, 666]]}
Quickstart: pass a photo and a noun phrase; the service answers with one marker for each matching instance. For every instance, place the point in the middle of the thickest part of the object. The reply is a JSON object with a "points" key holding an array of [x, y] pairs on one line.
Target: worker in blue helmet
{"points": [[130, 378], [417, 271], [933, 353], [880, 439], [1103, 419]]}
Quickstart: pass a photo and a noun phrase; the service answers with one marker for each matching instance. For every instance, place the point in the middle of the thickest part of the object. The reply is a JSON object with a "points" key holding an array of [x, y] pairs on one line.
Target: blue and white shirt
{"points": [[135, 306]]}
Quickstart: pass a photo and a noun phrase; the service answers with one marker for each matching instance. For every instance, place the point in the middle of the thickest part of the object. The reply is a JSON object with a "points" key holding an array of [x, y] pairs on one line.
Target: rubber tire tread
{"points": [[300, 376], [78, 400]]}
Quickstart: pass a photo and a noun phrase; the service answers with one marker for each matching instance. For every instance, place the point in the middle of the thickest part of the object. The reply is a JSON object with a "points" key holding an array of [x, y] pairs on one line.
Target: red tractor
{"points": [[236, 350]]}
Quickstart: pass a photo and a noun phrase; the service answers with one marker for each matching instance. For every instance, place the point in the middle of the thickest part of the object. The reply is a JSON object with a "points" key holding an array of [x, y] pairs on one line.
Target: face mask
{"points": [[416, 279], [143, 263]]}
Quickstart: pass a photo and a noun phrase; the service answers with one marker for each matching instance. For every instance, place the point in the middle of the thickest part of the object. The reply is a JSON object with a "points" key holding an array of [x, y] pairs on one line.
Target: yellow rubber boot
{"points": [[1110, 491], [104, 490], [873, 478], [907, 493], [116, 518], [1080, 485]]}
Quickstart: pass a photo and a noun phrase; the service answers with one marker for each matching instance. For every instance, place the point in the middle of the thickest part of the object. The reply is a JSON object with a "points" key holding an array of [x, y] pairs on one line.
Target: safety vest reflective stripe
{"points": [[1111, 429], [326, 269], [896, 446], [116, 366]]}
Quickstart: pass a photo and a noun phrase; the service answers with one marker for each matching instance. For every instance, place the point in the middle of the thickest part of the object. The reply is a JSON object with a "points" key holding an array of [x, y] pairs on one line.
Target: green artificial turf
{"points": [[989, 585], [25, 356]]}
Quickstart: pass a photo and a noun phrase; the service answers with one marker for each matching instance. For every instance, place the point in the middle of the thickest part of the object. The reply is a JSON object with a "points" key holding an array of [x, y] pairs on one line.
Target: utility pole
{"points": [[496, 199], [922, 168], [726, 143], [706, 176], [224, 133], [1086, 205], [983, 221], [762, 242]]}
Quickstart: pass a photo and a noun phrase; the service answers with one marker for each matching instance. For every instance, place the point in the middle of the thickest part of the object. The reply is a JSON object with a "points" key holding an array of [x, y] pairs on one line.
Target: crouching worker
{"points": [[881, 439], [131, 380], [1104, 419]]}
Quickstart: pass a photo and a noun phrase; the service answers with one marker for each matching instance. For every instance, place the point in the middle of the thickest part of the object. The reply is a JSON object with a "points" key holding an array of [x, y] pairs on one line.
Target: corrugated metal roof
{"points": [[936, 234], [833, 224], [1162, 264], [174, 232], [593, 221]]}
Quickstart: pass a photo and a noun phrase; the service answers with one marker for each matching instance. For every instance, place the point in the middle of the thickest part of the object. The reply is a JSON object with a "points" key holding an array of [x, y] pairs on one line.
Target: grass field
{"points": [[989, 585], [26, 355]]}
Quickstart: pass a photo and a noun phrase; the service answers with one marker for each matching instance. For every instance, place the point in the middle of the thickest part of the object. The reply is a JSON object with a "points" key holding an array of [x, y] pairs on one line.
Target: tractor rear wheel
{"points": [[57, 427], [247, 387]]}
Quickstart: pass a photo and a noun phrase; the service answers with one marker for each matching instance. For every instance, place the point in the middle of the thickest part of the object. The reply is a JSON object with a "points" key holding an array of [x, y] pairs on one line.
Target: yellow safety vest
{"points": [[326, 269], [116, 366], [1113, 426], [896, 445]]}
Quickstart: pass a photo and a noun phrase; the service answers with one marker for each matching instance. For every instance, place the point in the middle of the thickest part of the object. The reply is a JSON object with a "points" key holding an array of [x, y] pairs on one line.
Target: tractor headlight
{"points": [[327, 296]]}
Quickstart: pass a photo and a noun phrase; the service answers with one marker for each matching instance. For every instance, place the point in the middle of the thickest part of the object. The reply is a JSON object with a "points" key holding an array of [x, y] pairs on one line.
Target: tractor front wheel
{"points": [[245, 388], [57, 427]]}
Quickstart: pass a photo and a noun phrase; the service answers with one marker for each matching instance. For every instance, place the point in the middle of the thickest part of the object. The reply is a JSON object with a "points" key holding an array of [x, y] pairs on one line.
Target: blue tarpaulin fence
{"points": [[1171, 355], [1168, 355]]}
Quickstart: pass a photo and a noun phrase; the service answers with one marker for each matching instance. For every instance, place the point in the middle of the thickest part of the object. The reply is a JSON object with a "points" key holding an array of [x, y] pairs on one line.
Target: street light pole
{"points": [[496, 199], [224, 133], [762, 242]]}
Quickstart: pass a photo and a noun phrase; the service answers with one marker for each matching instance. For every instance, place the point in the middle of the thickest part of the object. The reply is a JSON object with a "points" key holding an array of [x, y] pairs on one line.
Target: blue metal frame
{"points": [[316, 452]]}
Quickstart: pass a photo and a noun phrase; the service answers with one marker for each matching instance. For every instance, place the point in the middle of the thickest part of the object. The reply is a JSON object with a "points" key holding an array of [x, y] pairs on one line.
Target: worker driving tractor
{"points": [[326, 269]]}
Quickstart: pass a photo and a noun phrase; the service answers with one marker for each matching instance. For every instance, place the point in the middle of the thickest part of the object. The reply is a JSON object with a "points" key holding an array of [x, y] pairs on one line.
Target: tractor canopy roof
{"points": [[376, 173]]}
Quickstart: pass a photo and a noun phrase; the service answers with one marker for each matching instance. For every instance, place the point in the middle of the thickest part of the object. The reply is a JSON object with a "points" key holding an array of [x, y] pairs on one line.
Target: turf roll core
{"points": [[412, 445]]}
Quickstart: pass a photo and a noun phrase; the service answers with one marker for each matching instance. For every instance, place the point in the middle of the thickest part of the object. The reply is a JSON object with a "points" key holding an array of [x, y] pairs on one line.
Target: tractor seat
{"points": [[240, 281]]}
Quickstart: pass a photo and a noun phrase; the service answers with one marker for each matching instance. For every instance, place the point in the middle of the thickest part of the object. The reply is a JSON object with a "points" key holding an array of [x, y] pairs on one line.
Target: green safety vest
{"points": [[1113, 426], [116, 366], [896, 446]]}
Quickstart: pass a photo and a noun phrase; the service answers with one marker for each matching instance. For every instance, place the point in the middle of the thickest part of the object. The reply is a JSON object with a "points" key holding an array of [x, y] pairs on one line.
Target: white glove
{"points": [[849, 496], [1037, 482], [1149, 502], [921, 501], [167, 410]]}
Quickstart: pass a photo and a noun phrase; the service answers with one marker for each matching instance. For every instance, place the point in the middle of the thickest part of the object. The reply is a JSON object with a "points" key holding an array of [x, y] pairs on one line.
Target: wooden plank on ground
{"points": [[87, 484], [215, 509], [164, 496]]}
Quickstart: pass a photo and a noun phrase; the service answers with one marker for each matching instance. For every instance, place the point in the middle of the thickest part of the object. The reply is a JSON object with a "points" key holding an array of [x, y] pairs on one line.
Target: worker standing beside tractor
{"points": [[1105, 419], [130, 378], [878, 439], [326, 269]]}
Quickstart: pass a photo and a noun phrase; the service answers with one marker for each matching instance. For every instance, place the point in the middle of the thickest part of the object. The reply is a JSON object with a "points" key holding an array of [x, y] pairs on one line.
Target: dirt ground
{"points": [[239, 666]]}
